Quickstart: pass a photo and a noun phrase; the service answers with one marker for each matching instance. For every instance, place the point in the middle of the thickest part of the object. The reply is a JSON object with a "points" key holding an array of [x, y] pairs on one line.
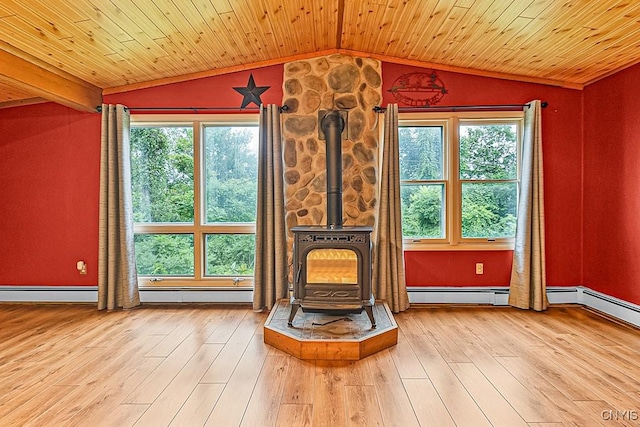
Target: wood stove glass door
{"points": [[329, 266]]}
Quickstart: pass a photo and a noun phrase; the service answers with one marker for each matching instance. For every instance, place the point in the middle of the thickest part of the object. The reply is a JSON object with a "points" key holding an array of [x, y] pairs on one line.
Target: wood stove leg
{"points": [[294, 309], [369, 310]]}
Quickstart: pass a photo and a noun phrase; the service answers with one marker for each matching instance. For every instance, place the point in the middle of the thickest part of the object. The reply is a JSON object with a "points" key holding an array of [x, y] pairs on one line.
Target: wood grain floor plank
{"points": [[90, 366], [329, 401], [565, 377], [233, 401], [583, 351], [461, 406], [107, 396], [123, 415], [395, 405], [584, 380], [426, 403], [547, 394], [405, 359], [408, 321], [228, 324], [494, 406], [104, 389], [173, 339], [222, 369], [487, 331], [444, 336], [546, 425], [198, 406], [517, 394], [266, 397], [608, 415], [602, 328], [171, 365], [295, 415], [358, 373], [623, 358], [173, 397], [363, 408], [72, 365], [31, 409], [295, 390]]}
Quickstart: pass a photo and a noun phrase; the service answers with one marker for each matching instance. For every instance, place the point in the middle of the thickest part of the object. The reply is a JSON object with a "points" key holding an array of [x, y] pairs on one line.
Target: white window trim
{"points": [[199, 228], [453, 240]]}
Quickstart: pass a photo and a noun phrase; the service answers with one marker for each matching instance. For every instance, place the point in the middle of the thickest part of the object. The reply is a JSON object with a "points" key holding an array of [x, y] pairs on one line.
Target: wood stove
{"points": [[332, 263]]}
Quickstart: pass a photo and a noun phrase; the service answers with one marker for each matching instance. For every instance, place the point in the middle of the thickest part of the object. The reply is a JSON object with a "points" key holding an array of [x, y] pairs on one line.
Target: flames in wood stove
{"points": [[332, 263]]}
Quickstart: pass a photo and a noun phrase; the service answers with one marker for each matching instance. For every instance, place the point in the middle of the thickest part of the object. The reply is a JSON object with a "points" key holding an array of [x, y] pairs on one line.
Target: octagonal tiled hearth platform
{"points": [[320, 336]]}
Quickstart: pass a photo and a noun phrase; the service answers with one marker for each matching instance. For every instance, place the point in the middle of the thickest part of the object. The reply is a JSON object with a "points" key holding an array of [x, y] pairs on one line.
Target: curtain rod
{"points": [[284, 108], [379, 109]]}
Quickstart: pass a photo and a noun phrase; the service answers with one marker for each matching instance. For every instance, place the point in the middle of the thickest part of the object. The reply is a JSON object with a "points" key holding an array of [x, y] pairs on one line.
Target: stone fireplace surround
{"points": [[334, 82]]}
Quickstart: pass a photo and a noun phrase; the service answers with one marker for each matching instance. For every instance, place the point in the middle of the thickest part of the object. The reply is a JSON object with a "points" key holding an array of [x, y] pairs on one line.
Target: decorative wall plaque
{"points": [[418, 89]]}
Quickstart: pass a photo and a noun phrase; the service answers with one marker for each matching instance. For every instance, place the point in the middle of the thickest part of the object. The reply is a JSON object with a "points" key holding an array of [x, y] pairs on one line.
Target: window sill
{"points": [[425, 247], [190, 283]]}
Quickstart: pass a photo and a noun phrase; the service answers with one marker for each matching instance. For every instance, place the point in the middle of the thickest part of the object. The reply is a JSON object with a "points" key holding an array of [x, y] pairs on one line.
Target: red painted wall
{"points": [[50, 172], [49, 183], [214, 91], [612, 185], [49, 167], [562, 144]]}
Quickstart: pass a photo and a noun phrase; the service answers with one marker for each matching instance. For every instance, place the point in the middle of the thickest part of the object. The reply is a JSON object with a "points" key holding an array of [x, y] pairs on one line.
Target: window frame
{"points": [[453, 240], [199, 228]]}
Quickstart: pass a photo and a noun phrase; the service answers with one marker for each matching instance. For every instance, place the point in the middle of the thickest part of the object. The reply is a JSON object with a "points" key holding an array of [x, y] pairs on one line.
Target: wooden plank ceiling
{"points": [[91, 47]]}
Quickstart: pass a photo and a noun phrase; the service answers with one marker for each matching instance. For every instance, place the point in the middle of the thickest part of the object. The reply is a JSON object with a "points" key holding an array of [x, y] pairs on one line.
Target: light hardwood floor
{"points": [[70, 365]]}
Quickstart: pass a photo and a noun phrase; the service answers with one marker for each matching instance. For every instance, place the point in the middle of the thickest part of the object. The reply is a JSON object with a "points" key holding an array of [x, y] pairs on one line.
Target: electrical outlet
{"points": [[479, 268], [81, 266]]}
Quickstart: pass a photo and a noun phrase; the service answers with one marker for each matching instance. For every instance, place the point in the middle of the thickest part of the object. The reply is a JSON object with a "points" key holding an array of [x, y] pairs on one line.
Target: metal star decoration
{"points": [[251, 92]]}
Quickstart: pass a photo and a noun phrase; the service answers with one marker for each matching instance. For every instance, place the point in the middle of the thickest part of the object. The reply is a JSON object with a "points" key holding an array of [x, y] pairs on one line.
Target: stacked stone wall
{"points": [[325, 83]]}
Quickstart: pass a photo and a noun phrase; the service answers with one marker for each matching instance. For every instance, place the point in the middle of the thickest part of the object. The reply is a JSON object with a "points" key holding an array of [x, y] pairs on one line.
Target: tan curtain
{"points": [[528, 287], [117, 276], [388, 270], [270, 281]]}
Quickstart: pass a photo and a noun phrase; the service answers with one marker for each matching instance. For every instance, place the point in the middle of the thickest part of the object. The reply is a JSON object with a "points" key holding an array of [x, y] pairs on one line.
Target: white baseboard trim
{"points": [[189, 295], [615, 307], [49, 294], [89, 294], [498, 295], [620, 309]]}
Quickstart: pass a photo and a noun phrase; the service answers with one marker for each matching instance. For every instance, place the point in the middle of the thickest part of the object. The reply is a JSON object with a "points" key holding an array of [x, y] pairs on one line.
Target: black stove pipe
{"points": [[332, 124]]}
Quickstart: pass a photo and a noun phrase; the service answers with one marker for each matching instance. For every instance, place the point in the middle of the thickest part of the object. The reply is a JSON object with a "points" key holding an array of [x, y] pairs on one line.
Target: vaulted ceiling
{"points": [[73, 52]]}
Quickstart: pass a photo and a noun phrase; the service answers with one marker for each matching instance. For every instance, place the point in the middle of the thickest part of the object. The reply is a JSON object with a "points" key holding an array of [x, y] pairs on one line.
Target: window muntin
{"points": [[473, 204], [199, 228]]}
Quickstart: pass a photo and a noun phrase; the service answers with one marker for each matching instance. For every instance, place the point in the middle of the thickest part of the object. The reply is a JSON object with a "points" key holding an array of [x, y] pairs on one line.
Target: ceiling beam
{"points": [[29, 75], [340, 19], [22, 102]]}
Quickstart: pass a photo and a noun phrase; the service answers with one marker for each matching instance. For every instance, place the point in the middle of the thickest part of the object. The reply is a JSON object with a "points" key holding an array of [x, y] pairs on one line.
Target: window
{"points": [[194, 199], [459, 179]]}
